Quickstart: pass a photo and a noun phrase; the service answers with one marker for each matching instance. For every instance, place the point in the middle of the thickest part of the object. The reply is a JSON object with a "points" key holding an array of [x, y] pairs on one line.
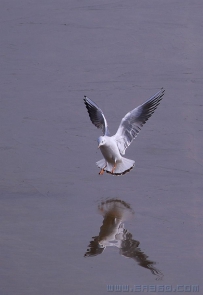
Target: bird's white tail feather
{"points": [[121, 167]]}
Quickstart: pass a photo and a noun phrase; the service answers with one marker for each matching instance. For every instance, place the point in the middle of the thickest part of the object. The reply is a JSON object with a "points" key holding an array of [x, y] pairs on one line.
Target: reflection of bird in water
{"points": [[113, 233], [130, 249]]}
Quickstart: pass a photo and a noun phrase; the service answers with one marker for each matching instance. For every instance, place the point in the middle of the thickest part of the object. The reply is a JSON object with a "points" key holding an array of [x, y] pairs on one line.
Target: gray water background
{"points": [[118, 53]]}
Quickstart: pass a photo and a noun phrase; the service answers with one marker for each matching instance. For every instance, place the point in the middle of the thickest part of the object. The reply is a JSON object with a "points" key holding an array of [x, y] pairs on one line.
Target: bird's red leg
{"points": [[114, 167], [102, 170]]}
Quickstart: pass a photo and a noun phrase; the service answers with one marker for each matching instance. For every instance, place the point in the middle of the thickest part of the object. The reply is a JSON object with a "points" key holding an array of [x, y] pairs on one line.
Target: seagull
{"points": [[113, 147]]}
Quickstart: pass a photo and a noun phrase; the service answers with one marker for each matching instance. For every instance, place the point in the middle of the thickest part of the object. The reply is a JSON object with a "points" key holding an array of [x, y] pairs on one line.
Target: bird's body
{"points": [[113, 161], [113, 147], [110, 150]]}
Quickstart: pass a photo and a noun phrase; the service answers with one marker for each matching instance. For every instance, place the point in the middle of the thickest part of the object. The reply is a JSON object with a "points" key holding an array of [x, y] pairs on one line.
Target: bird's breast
{"points": [[110, 153]]}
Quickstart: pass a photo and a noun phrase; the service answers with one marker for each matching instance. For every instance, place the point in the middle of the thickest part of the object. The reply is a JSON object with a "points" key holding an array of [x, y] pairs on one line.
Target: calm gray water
{"points": [[64, 229]]}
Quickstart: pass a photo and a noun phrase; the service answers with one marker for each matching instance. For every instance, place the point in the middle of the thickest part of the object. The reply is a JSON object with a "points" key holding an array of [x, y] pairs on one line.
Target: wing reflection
{"points": [[113, 233]]}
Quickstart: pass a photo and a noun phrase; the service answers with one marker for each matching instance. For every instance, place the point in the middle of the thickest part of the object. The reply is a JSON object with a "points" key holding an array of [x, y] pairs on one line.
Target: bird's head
{"points": [[101, 141]]}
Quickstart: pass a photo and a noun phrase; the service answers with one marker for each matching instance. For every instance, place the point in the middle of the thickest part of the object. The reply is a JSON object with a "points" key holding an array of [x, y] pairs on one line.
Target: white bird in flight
{"points": [[113, 147]]}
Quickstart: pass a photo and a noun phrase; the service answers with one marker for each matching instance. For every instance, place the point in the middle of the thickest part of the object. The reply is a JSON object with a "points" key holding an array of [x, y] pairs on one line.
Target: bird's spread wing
{"points": [[96, 115], [131, 124]]}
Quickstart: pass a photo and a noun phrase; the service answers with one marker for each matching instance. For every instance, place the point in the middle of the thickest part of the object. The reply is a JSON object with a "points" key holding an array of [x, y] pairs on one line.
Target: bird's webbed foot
{"points": [[101, 172], [114, 167]]}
